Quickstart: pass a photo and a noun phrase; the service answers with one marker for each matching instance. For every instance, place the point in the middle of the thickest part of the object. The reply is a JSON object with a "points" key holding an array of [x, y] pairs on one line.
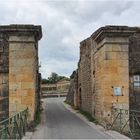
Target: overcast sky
{"points": [[65, 24]]}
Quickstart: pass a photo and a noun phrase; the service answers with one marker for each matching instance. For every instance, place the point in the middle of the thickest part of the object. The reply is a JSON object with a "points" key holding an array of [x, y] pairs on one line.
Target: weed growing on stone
{"points": [[88, 116]]}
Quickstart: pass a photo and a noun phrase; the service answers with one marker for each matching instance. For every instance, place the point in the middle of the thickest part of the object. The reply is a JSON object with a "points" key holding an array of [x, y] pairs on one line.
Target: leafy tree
{"points": [[44, 81], [54, 78]]}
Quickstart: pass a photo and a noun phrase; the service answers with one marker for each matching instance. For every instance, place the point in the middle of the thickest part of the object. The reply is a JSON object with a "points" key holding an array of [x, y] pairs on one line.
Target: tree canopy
{"points": [[54, 78]]}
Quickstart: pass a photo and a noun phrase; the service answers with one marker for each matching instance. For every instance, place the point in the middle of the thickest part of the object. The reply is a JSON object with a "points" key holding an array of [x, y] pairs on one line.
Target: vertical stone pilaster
{"points": [[134, 70], [19, 67], [4, 76], [23, 72], [85, 73]]}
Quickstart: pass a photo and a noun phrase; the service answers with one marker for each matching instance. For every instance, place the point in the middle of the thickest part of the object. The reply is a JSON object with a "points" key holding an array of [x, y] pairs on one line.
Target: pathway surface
{"points": [[59, 123]]}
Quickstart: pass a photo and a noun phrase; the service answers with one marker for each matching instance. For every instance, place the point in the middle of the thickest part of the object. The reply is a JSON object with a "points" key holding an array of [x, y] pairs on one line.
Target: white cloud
{"points": [[65, 24]]}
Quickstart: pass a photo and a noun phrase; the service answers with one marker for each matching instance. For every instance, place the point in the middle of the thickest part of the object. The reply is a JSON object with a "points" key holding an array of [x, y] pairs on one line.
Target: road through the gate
{"points": [[59, 123]]}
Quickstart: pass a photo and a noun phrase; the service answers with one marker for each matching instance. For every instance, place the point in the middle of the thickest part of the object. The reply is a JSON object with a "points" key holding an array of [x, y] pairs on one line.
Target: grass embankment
{"points": [[37, 119], [86, 114], [68, 103]]}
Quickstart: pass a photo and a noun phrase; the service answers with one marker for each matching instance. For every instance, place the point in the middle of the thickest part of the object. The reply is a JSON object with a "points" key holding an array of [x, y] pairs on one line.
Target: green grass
{"points": [[32, 126], [38, 117], [67, 103], [88, 116]]}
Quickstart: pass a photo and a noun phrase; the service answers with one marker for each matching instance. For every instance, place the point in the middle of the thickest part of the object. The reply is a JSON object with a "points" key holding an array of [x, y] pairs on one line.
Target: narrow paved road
{"points": [[59, 123]]}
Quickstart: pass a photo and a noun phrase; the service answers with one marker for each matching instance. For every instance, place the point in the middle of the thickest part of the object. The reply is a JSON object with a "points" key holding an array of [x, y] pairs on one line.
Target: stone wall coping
{"points": [[111, 31], [85, 43], [22, 28]]}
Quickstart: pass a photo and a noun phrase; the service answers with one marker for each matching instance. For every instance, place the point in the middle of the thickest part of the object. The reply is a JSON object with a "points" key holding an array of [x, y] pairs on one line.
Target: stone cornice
{"points": [[22, 30], [113, 31]]}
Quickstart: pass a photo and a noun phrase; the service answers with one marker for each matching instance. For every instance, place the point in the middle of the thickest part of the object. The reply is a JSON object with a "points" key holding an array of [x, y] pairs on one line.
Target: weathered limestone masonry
{"points": [[109, 62], [72, 97], [4, 70], [134, 71], [110, 69], [85, 66], [23, 67]]}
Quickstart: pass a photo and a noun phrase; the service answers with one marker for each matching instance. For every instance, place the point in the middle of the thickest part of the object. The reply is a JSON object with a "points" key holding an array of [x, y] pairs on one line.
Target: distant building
{"points": [[19, 74], [60, 86], [63, 85], [48, 87]]}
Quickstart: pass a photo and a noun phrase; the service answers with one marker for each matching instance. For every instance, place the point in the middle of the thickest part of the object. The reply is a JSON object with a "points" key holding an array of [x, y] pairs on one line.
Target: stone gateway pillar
{"points": [[4, 76], [23, 67]]}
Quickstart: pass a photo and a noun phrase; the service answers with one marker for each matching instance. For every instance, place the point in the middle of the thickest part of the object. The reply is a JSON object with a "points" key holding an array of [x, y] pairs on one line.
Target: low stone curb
{"points": [[111, 133], [28, 135]]}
